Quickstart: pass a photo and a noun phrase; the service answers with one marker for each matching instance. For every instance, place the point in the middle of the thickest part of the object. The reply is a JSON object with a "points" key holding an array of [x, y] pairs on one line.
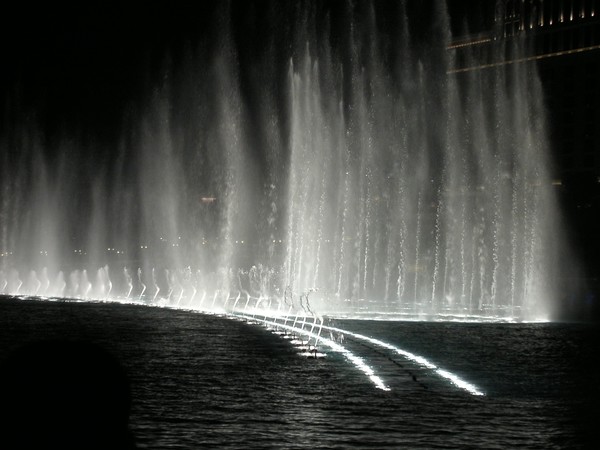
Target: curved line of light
{"points": [[357, 361], [454, 379], [334, 346]]}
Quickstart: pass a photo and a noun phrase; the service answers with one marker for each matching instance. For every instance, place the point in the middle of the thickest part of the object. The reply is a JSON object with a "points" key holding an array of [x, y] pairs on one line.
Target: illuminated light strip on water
{"points": [[334, 346], [454, 379], [358, 362]]}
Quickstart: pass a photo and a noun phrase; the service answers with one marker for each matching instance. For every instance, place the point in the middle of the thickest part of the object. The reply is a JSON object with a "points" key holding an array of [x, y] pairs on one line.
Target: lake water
{"points": [[205, 381]]}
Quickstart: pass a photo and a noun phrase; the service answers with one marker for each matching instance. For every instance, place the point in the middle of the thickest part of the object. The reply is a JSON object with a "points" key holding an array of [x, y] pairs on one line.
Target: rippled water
{"points": [[201, 381]]}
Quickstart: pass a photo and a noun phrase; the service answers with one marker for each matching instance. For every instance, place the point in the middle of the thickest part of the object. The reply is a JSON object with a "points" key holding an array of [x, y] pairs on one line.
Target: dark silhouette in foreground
{"points": [[66, 395]]}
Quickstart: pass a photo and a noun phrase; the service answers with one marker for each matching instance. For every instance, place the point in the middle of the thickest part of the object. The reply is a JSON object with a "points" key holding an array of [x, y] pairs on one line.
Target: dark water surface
{"points": [[201, 381]]}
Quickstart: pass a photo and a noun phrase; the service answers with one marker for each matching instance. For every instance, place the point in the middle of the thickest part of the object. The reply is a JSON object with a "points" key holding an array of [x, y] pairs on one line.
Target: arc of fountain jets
{"points": [[170, 284], [155, 285], [237, 299], [129, 281], [46, 280], [139, 273], [194, 291], [38, 282]]}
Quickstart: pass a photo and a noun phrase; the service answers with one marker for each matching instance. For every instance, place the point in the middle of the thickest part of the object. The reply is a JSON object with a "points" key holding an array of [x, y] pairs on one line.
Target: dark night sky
{"points": [[75, 69], [83, 64]]}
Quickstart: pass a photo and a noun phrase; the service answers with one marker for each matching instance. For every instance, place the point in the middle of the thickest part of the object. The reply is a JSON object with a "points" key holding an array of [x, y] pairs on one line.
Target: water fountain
{"points": [[351, 162]]}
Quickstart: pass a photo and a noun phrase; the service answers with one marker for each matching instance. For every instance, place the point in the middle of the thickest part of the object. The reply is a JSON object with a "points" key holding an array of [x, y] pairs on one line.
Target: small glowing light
{"points": [[241, 242], [556, 182]]}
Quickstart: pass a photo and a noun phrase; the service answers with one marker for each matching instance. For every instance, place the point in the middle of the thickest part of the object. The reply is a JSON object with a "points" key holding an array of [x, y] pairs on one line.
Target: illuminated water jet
{"points": [[361, 169]]}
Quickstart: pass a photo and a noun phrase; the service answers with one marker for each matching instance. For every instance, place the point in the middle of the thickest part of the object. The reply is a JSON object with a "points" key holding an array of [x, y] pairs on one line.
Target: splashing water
{"points": [[360, 167]]}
